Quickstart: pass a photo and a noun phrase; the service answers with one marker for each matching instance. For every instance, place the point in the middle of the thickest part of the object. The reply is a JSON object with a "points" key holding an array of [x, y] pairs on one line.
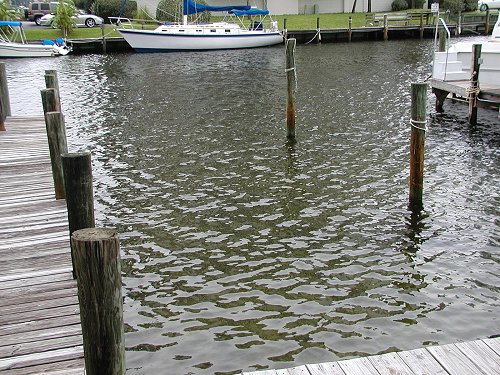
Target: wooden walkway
{"points": [[39, 317], [481, 357]]}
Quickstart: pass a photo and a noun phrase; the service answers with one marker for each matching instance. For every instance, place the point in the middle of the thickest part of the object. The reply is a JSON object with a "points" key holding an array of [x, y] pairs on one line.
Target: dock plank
{"points": [[40, 328]]}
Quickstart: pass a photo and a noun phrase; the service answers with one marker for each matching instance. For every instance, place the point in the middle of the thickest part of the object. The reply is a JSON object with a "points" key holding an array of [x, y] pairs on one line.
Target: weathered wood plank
{"points": [[482, 355], [41, 358], [37, 290], [328, 368], [299, 370], [41, 334], [389, 364], [18, 298], [45, 345], [29, 316], [39, 324], [36, 278], [38, 305], [358, 366], [494, 344], [420, 361], [453, 361]]}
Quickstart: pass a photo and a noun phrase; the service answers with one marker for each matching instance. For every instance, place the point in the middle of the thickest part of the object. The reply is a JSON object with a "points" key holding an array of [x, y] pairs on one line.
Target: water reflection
{"points": [[241, 251]]}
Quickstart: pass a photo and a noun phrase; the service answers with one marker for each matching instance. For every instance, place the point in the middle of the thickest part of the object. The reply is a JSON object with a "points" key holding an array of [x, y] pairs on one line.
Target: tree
{"points": [[64, 17], [6, 13]]}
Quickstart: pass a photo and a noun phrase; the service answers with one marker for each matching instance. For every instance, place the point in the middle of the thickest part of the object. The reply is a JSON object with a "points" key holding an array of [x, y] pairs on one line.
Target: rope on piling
{"points": [[415, 123]]}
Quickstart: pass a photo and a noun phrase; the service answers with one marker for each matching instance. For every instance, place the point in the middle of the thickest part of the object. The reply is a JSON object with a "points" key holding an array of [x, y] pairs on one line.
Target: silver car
{"points": [[82, 19], [484, 5]]}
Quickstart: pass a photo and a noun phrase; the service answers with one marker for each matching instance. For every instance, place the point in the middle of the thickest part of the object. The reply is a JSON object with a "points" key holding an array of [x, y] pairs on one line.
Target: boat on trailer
{"points": [[13, 43], [454, 64], [206, 36]]}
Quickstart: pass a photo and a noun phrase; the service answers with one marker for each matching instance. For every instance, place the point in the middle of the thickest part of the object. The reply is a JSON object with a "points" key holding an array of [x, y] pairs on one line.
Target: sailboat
{"points": [[205, 36]]}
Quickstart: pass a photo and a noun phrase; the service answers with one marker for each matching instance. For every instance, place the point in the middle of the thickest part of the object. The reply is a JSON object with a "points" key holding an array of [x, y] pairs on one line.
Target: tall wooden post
{"points": [[97, 264], [442, 40], [103, 39], [487, 26], [421, 28], [285, 31], [417, 143], [291, 77], [56, 135], [77, 172], [474, 89], [4, 97], [349, 32], [318, 31], [51, 82], [386, 28], [49, 100]]}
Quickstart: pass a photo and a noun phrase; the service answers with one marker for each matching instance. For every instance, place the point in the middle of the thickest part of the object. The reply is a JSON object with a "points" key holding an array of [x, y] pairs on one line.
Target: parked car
{"points": [[82, 19], [38, 9], [484, 5]]}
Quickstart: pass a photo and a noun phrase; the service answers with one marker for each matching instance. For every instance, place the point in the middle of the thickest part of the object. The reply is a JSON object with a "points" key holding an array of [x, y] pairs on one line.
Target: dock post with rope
{"points": [[418, 124], [291, 77], [473, 90]]}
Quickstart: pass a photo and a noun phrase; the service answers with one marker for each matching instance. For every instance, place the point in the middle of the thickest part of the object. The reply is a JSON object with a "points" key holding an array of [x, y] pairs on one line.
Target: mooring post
{"points": [[51, 82], [77, 172], [457, 29], [103, 39], [349, 32], [285, 32], [318, 31], [417, 142], [421, 28], [386, 28], [487, 25], [49, 100], [4, 97], [291, 77], [97, 264], [56, 135], [442, 40], [474, 89]]}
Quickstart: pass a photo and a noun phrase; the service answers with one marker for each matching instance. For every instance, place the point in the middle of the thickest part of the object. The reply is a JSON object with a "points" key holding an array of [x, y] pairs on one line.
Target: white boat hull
{"points": [[154, 41], [30, 50]]}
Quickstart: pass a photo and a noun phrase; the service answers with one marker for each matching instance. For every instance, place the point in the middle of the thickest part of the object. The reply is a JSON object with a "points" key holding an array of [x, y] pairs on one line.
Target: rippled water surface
{"points": [[243, 252]]}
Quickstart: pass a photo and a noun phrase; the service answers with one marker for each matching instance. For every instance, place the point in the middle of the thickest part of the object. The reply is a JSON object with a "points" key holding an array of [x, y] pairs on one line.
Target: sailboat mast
{"points": [[184, 12]]}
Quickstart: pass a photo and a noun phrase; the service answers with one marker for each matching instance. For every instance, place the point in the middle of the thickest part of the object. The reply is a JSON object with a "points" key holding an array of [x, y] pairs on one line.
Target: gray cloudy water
{"points": [[243, 252]]}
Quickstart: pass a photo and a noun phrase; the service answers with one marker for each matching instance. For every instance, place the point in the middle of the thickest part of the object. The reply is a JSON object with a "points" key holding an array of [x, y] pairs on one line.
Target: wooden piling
{"points": [[103, 39], [417, 143], [474, 89], [386, 28], [51, 82], [77, 172], [457, 29], [4, 97], [56, 135], [97, 264], [318, 31], [421, 27], [291, 81], [285, 32], [442, 40], [49, 100], [349, 31], [487, 25]]}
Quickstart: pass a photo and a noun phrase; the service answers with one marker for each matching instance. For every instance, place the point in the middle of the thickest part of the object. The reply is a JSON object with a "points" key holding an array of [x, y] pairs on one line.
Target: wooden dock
{"points": [[480, 357], [39, 316]]}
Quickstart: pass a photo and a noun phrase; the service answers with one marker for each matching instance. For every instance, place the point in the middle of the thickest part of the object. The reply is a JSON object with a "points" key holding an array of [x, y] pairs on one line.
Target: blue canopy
{"points": [[250, 12], [190, 7], [10, 23]]}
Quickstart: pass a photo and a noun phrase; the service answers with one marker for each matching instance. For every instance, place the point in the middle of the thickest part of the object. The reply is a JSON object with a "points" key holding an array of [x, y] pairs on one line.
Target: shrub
{"points": [[454, 6], [171, 11], [62, 20], [470, 5], [399, 5], [111, 8], [419, 4], [84, 4]]}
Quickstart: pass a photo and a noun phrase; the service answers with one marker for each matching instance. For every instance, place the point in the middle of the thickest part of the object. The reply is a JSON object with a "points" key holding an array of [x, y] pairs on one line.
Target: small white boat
{"points": [[13, 43], [205, 36], [455, 63]]}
